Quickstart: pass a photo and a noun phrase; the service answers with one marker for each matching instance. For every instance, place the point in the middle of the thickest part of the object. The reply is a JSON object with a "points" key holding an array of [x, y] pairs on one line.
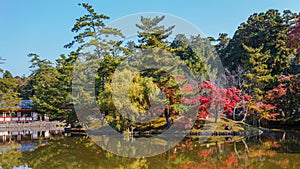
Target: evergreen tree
{"points": [[153, 42], [50, 91], [9, 94], [222, 42], [7, 75], [198, 54], [294, 43], [259, 76], [153, 35], [269, 29], [93, 34]]}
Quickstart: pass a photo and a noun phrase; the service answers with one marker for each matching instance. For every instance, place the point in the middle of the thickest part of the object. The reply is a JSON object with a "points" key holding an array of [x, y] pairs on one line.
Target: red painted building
{"points": [[22, 112]]}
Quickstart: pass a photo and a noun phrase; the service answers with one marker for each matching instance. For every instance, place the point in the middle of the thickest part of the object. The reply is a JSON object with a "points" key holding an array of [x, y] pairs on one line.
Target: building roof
{"points": [[24, 104]]}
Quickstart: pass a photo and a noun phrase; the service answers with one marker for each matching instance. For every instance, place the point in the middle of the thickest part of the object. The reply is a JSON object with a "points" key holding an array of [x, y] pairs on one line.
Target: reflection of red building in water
{"points": [[20, 113], [22, 135]]}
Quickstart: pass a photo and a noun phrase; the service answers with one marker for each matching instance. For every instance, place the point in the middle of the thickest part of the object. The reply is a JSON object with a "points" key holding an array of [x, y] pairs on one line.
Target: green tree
{"points": [[258, 76], [65, 68], [7, 75], [151, 34], [92, 33], [10, 157], [26, 87], [9, 95], [260, 47], [153, 39], [269, 29], [97, 45], [222, 42], [50, 87], [198, 54]]}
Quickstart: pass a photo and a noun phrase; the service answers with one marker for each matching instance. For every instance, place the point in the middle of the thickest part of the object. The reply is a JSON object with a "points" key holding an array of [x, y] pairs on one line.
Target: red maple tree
{"points": [[215, 100], [294, 36]]}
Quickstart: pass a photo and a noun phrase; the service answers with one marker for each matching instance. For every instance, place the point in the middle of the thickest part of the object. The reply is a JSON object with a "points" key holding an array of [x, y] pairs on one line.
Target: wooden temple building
{"points": [[22, 112]]}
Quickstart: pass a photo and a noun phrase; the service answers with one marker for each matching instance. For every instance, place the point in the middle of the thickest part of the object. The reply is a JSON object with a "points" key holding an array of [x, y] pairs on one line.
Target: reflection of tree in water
{"points": [[75, 152], [236, 154], [10, 157]]}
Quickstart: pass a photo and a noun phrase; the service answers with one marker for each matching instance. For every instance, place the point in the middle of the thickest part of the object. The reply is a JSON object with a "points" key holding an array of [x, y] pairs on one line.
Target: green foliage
{"points": [[7, 75], [9, 93], [10, 157], [99, 47], [152, 34], [259, 76], [89, 23], [223, 40], [155, 49], [260, 47], [51, 86], [197, 53], [93, 34], [269, 29]]}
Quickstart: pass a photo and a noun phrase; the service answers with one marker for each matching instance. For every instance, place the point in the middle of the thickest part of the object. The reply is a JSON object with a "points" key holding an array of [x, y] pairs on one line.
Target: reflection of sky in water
{"points": [[25, 147], [22, 167], [30, 146]]}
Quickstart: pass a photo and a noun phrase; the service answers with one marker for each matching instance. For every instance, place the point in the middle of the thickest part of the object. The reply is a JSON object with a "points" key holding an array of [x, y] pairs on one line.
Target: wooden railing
{"points": [[37, 125]]}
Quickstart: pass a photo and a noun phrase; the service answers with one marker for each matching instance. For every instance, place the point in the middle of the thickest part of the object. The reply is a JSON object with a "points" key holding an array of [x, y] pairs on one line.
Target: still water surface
{"points": [[268, 151]]}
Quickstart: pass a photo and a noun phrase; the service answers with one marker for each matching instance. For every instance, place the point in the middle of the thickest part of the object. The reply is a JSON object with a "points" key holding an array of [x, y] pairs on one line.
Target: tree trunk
{"points": [[217, 114], [219, 148], [233, 113], [235, 149], [245, 116], [283, 136], [246, 146], [167, 115], [216, 117]]}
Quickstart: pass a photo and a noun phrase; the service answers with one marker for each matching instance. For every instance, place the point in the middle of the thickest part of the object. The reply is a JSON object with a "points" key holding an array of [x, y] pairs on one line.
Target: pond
{"points": [[269, 150]]}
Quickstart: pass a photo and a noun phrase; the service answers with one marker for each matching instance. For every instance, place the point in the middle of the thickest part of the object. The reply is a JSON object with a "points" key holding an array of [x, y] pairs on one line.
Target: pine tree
{"points": [[98, 47], [259, 75], [269, 29], [104, 42], [9, 94], [51, 92], [151, 51], [152, 34]]}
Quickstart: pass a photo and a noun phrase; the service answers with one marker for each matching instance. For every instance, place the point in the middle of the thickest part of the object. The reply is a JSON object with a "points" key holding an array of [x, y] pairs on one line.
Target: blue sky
{"points": [[43, 27]]}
